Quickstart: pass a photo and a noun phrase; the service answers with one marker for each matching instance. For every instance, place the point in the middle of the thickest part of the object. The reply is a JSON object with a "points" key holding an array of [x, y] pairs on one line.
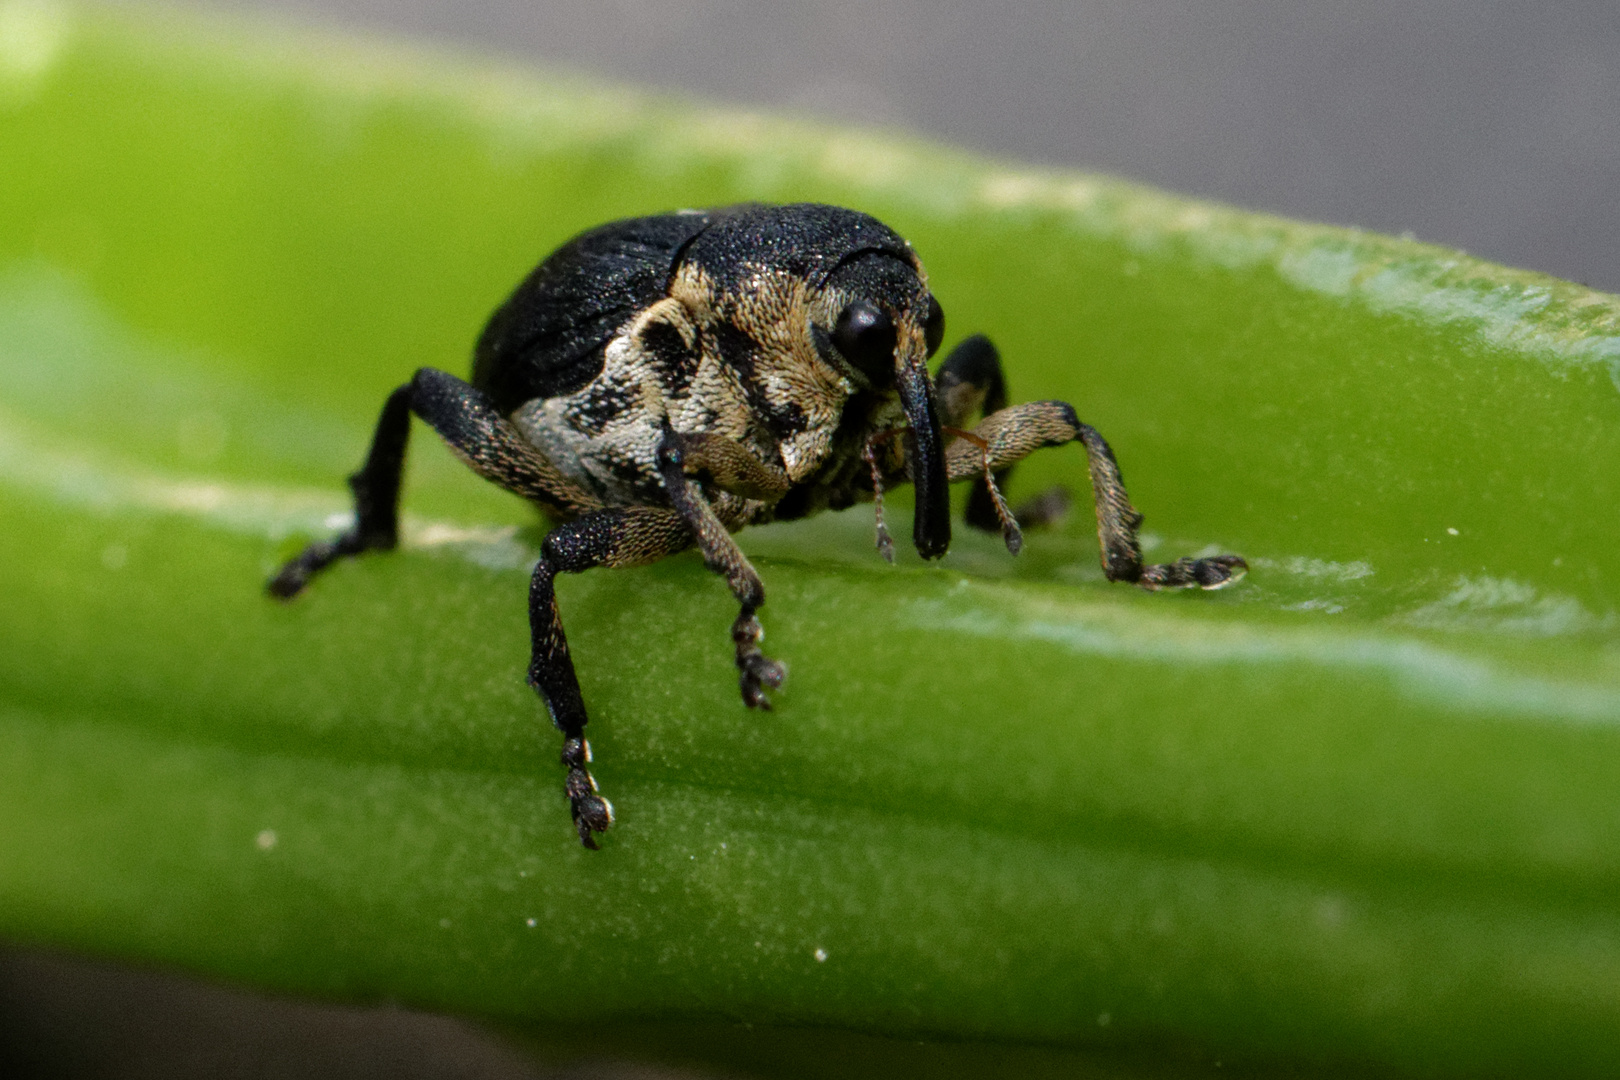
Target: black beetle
{"points": [[664, 381]]}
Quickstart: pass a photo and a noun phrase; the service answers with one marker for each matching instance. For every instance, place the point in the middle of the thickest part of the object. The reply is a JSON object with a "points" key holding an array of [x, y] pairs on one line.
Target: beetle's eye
{"points": [[934, 327], [866, 337]]}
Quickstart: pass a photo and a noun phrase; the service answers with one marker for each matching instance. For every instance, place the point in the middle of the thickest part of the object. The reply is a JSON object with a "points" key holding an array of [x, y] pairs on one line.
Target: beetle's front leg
{"points": [[677, 456], [621, 537], [1013, 434], [970, 385]]}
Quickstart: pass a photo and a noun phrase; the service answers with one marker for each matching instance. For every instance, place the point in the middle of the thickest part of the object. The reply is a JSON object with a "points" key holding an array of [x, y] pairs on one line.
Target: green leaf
{"points": [[1363, 807]]}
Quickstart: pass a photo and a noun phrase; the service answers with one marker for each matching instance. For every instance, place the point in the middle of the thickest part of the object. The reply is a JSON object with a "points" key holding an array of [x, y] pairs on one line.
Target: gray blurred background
{"points": [[1494, 127], [1489, 126]]}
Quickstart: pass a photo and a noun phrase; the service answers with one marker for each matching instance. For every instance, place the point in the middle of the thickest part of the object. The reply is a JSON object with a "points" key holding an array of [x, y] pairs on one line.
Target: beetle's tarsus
{"points": [[1215, 572], [755, 671], [755, 674], [376, 501], [299, 570], [591, 812], [884, 542]]}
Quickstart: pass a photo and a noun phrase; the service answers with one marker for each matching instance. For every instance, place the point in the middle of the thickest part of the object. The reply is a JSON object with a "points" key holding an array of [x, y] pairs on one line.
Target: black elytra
{"points": [[659, 383]]}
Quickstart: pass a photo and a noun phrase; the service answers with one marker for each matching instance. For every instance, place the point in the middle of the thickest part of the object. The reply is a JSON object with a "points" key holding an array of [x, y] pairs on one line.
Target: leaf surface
{"points": [[1361, 807]]}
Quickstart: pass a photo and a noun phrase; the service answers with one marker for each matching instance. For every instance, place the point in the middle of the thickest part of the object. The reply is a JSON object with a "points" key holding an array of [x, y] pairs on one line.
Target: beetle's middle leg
{"points": [[1012, 434], [678, 458]]}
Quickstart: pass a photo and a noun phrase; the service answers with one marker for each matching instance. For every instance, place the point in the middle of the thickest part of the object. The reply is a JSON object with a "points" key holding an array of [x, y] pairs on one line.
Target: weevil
{"points": [[662, 382]]}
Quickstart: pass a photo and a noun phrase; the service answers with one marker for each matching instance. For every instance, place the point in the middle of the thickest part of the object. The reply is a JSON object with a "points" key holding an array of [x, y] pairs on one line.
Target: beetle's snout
{"points": [[931, 526]]}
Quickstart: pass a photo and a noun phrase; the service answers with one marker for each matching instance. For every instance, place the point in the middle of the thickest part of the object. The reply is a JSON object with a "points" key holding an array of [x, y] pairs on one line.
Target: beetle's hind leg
{"points": [[1013, 434], [478, 434], [620, 537], [376, 501]]}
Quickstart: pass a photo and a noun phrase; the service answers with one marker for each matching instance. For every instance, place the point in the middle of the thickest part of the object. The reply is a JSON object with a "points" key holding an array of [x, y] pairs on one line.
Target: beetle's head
{"points": [[878, 321], [871, 316]]}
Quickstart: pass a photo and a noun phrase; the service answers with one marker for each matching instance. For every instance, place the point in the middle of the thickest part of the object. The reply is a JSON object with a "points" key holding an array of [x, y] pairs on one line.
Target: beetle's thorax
{"points": [[770, 389], [739, 362]]}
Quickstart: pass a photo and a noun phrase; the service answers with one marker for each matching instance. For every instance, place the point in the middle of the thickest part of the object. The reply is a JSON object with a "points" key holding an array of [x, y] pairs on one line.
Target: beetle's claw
{"points": [[1221, 571], [885, 542]]}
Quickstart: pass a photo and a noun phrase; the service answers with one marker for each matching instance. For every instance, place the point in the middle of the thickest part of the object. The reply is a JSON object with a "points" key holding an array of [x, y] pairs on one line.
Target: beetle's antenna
{"points": [[885, 542], [1011, 534]]}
